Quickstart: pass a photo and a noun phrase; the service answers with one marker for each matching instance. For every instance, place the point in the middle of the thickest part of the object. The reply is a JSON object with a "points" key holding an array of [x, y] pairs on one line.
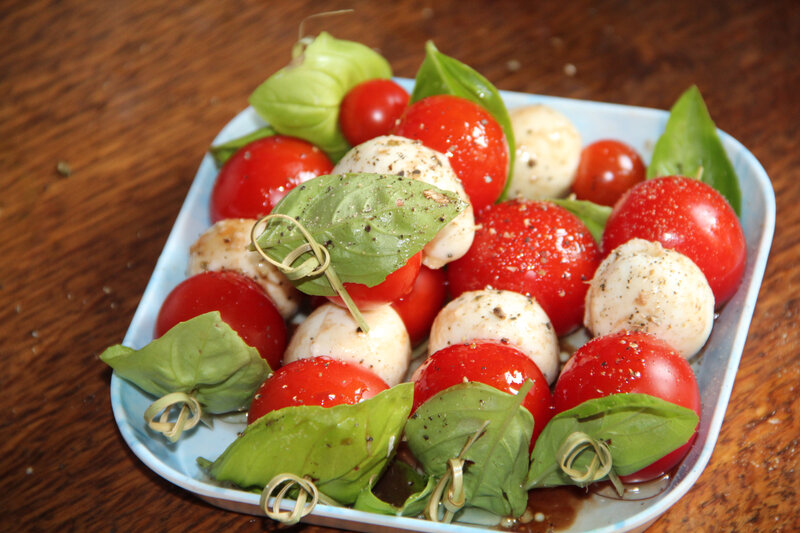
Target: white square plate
{"points": [[715, 368]]}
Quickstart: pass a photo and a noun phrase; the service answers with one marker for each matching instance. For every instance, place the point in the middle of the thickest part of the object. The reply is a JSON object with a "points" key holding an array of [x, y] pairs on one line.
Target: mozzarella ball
{"points": [[331, 330], [548, 149], [390, 154], [642, 286], [502, 316], [225, 246]]}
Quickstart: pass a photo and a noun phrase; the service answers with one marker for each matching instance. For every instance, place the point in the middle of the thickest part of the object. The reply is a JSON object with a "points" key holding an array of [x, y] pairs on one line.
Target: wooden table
{"points": [[106, 109]]}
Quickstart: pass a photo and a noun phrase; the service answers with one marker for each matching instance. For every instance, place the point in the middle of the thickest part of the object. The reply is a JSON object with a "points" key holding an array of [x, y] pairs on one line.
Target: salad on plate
{"points": [[416, 300]]}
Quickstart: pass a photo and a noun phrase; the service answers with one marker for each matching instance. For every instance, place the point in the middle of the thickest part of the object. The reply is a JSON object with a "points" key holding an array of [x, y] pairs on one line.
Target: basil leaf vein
{"points": [[203, 355], [343, 449], [441, 74], [638, 428], [497, 462], [371, 224], [690, 145], [302, 99]]}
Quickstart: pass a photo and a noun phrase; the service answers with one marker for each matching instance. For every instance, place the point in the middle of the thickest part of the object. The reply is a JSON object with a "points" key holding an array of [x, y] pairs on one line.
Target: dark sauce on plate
{"points": [[548, 510], [552, 509], [398, 481]]}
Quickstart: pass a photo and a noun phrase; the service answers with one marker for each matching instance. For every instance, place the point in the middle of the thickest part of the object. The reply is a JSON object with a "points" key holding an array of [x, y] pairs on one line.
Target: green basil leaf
{"points": [[638, 428], [406, 493], [303, 98], [497, 462], [594, 216], [370, 223], [441, 74], [203, 355], [690, 143], [223, 152], [342, 448]]}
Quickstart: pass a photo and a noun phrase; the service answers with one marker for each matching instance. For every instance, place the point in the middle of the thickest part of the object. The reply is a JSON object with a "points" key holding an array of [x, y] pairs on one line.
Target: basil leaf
{"points": [[690, 143], [303, 98], [413, 490], [638, 428], [497, 462], [223, 152], [594, 216], [441, 74], [370, 223], [203, 355], [342, 448]]}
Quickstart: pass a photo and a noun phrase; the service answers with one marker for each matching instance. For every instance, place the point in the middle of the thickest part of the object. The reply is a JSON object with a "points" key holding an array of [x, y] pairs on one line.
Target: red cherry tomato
{"points": [[628, 362], [606, 170], [689, 216], [396, 285], [371, 109], [497, 365], [259, 174], [470, 137], [420, 306], [533, 248], [321, 380], [241, 302]]}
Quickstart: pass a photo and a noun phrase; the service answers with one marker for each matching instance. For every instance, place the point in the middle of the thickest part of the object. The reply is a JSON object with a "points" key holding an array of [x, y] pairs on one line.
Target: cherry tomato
{"points": [[259, 174], [497, 365], [626, 362], [321, 380], [371, 109], [420, 306], [689, 216], [396, 285], [606, 170], [241, 302], [534, 248], [470, 137]]}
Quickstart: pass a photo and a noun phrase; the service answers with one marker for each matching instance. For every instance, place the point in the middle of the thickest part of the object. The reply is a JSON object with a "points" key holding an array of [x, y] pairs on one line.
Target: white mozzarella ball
{"points": [[548, 149], [501, 316], [331, 330], [390, 154], [225, 246], [642, 286]]}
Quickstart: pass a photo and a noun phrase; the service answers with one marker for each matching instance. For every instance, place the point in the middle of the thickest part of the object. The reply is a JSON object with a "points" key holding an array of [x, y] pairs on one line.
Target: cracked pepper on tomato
{"points": [[630, 362], [688, 216], [534, 248], [469, 136]]}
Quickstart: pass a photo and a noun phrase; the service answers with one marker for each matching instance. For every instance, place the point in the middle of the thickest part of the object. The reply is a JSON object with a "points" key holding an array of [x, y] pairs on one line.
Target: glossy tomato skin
{"points": [[371, 109], [260, 173], [469, 136], [606, 170], [498, 365], [688, 216], [533, 248], [420, 306], [630, 362], [396, 285], [241, 302], [321, 381]]}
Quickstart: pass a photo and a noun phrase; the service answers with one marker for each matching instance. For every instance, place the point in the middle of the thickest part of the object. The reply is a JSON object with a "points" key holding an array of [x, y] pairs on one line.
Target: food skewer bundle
{"points": [[390, 272]]}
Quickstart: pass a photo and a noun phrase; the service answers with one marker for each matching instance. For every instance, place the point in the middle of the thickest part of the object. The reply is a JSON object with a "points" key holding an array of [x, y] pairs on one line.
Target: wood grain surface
{"points": [[127, 95]]}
